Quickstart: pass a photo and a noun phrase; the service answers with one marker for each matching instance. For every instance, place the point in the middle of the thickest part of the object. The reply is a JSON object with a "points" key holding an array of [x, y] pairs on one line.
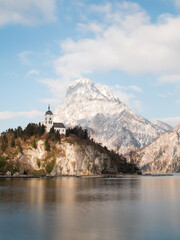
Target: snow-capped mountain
{"points": [[108, 120]]}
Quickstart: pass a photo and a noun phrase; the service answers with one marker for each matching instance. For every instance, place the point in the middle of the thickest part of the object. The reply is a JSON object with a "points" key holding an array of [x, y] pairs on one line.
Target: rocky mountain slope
{"points": [[108, 120], [39, 153], [163, 126], [162, 155]]}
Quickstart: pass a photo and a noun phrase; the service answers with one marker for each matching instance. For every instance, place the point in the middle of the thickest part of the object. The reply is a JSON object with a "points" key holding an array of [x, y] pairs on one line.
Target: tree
{"points": [[34, 144], [4, 142], [52, 131], [30, 130], [47, 145], [78, 131], [68, 131], [13, 143], [57, 137], [19, 132], [85, 134], [42, 129], [2, 162]]}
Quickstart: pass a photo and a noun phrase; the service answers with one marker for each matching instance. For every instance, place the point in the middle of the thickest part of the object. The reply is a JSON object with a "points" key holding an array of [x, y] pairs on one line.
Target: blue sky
{"points": [[131, 46]]}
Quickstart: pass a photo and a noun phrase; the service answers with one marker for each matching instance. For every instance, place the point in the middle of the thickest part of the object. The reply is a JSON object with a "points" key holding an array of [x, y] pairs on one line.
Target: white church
{"points": [[49, 123]]}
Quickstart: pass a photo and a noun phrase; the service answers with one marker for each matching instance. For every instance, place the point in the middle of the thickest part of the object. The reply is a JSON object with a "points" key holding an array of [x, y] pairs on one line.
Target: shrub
{"points": [[34, 144], [50, 165], [39, 162], [2, 163]]}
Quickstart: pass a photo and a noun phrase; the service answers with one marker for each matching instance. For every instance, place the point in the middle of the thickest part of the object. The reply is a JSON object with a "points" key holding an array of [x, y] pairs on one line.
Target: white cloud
{"points": [[52, 101], [126, 41], [57, 87], [132, 87], [127, 98], [172, 121], [27, 12], [23, 56], [135, 88], [177, 2], [170, 78], [124, 97], [10, 115], [32, 72], [138, 106]]}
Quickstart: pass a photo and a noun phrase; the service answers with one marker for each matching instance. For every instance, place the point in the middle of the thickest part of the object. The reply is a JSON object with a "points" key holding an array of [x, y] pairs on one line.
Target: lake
{"points": [[69, 208]]}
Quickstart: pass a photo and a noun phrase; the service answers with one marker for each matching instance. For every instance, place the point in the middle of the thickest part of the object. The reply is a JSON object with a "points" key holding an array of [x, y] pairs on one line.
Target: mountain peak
{"points": [[82, 81], [109, 121], [85, 87], [81, 86]]}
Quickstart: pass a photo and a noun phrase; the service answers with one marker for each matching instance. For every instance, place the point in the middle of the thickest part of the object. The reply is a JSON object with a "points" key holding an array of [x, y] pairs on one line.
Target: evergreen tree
{"points": [[34, 144], [57, 137], [13, 142], [47, 145], [19, 132], [68, 131], [30, 130], [52, 131], [2, 163], [85, 134], [4, 142], [42, 129]]}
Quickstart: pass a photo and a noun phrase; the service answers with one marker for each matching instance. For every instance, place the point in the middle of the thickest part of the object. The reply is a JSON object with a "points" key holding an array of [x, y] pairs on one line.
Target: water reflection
{"points": [[91, 208]]}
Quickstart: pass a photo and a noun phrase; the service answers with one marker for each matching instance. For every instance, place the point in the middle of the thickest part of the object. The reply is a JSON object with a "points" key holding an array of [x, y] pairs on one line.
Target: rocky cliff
{"points": [[71, 157], [162, 155], [31, 152]]}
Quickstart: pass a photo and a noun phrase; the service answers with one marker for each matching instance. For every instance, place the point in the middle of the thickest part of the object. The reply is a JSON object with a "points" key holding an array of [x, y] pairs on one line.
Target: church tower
{"points": [[48, 119]]}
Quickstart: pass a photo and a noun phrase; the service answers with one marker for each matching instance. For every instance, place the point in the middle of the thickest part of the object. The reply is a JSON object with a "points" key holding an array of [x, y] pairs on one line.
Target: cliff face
{"points": [[47, 154], [72, 157], [163, 155]]}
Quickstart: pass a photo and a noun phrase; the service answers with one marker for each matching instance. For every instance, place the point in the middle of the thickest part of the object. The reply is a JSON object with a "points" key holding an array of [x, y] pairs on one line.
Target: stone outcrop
{"points": [[69, 158], [162, 155]]}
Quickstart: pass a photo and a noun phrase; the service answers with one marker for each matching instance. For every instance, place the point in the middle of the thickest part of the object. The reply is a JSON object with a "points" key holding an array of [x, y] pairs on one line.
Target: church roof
{"points": [[58, 125], [49, 111]]}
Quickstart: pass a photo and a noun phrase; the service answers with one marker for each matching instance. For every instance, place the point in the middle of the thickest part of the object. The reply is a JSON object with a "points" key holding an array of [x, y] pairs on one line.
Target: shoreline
{"points": [[91, 176]]}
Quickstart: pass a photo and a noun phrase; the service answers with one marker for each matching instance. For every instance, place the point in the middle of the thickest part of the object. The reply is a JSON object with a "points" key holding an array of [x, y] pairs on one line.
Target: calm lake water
{"points": [[144, 208]]}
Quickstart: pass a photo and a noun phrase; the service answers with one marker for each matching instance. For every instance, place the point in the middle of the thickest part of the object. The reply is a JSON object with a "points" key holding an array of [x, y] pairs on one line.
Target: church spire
{"points": [[48, 106]]}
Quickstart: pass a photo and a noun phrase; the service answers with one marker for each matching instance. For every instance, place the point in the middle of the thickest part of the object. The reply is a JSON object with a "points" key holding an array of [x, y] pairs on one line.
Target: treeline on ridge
{"points": [[17, 138]]}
